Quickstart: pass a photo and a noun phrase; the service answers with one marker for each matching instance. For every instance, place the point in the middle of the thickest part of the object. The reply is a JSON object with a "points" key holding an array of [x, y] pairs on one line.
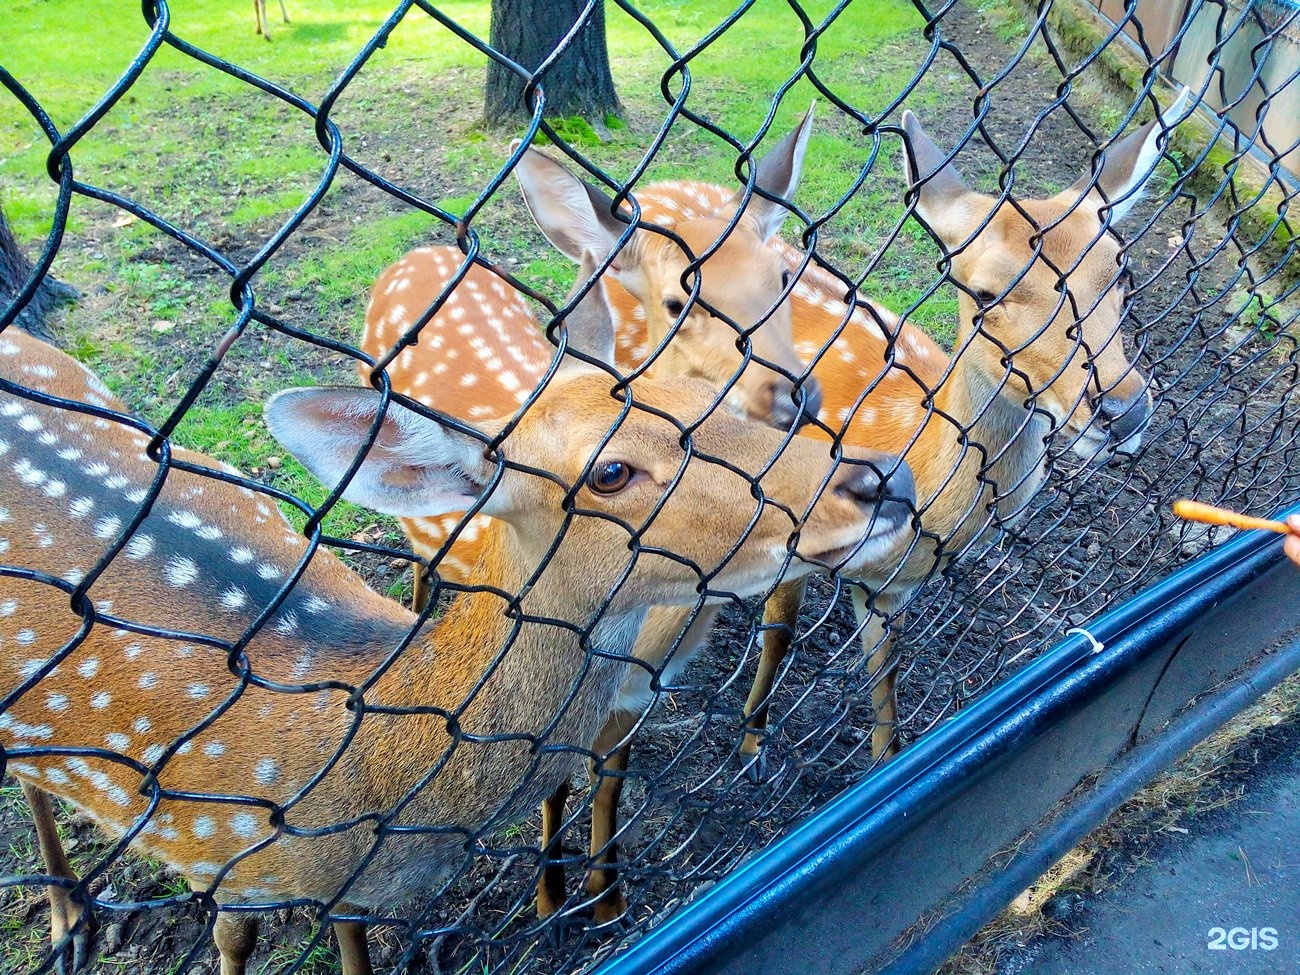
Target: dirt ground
{"points": [[1224, 431], [1209, 842]]}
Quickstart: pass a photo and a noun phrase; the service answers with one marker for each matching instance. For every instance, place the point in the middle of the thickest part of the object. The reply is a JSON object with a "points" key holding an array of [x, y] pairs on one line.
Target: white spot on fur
{"points": [[234, 598], [314, 604], [180, 572], [244, 824], [20, 729], [139, 547], [266, 771]]}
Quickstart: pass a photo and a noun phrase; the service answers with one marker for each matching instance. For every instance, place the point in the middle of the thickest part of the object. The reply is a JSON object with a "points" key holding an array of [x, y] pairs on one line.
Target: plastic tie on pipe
{"points": [[1097, 645]]}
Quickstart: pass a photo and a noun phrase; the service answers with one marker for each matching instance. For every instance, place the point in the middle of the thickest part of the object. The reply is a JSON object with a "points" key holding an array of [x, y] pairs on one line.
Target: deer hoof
{"points": [[73, 954], [755, 767], [610, 909]]}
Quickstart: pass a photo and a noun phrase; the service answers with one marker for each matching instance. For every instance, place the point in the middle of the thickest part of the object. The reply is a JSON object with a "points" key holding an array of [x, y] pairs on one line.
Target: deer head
{"points": [[715, 298], [1043, 286]]}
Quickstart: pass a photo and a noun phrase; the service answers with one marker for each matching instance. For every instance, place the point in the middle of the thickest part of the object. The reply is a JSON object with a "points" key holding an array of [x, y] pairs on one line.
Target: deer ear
{"points": [[1129, 163], [777, 173], [940, 190], [574, 216], [590, 323], [415, 467]]}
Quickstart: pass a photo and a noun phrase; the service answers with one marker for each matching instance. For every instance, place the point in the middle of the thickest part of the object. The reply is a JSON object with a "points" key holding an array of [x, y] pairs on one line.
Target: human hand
{"points": [[1292, 544]]}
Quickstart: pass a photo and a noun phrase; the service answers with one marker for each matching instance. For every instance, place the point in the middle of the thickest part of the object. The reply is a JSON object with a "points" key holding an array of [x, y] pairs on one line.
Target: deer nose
{"points": [[883, 483], [796, 404], [1125, 418]]}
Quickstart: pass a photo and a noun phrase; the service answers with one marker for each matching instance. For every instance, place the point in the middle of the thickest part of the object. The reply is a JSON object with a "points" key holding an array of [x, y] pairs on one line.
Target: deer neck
{"points": [[502, 669], [995, 458]]}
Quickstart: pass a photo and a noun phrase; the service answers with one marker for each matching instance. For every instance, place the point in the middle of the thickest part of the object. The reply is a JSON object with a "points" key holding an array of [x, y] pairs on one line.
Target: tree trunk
{"points": [[578, 83], [15, 270]]}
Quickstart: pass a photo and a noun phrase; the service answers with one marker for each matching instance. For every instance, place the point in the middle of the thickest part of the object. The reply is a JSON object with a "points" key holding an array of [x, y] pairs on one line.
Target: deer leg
{"points": [[236, 937], [354, 954], [284, 13], [670, 637], [67, 916], [882, 666], [781, 617], [602, 874], [419, 588], [551, 885]]}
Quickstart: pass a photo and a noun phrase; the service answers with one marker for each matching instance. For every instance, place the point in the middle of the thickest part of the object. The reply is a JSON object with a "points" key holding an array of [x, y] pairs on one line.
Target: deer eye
{"points": [[673, 306], [986, 299], [786, 277], [610, 477]]}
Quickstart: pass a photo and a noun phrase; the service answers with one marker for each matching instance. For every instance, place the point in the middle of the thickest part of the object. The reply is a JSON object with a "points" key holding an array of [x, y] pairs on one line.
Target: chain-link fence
{"points": [[1061, 293]]}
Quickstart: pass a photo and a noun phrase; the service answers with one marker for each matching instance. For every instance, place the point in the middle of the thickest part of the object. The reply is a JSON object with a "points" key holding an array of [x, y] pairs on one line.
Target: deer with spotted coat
{"points": [[482, 351], [479, 349], [1040, 350], [236, 703]]}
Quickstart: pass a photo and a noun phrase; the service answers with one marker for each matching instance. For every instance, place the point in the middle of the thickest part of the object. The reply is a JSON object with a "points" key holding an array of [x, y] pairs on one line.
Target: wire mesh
{"points": [[1103, 363]]}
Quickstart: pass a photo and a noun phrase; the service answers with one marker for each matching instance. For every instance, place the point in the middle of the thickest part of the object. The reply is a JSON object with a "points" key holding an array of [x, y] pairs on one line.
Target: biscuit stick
{"points": [[1210, 515]]}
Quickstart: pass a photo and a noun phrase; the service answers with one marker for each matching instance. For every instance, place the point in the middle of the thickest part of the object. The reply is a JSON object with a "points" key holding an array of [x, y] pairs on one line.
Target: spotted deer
{"points": [[1040, 350], [483, 352], [236, 703], [482, 349]]}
